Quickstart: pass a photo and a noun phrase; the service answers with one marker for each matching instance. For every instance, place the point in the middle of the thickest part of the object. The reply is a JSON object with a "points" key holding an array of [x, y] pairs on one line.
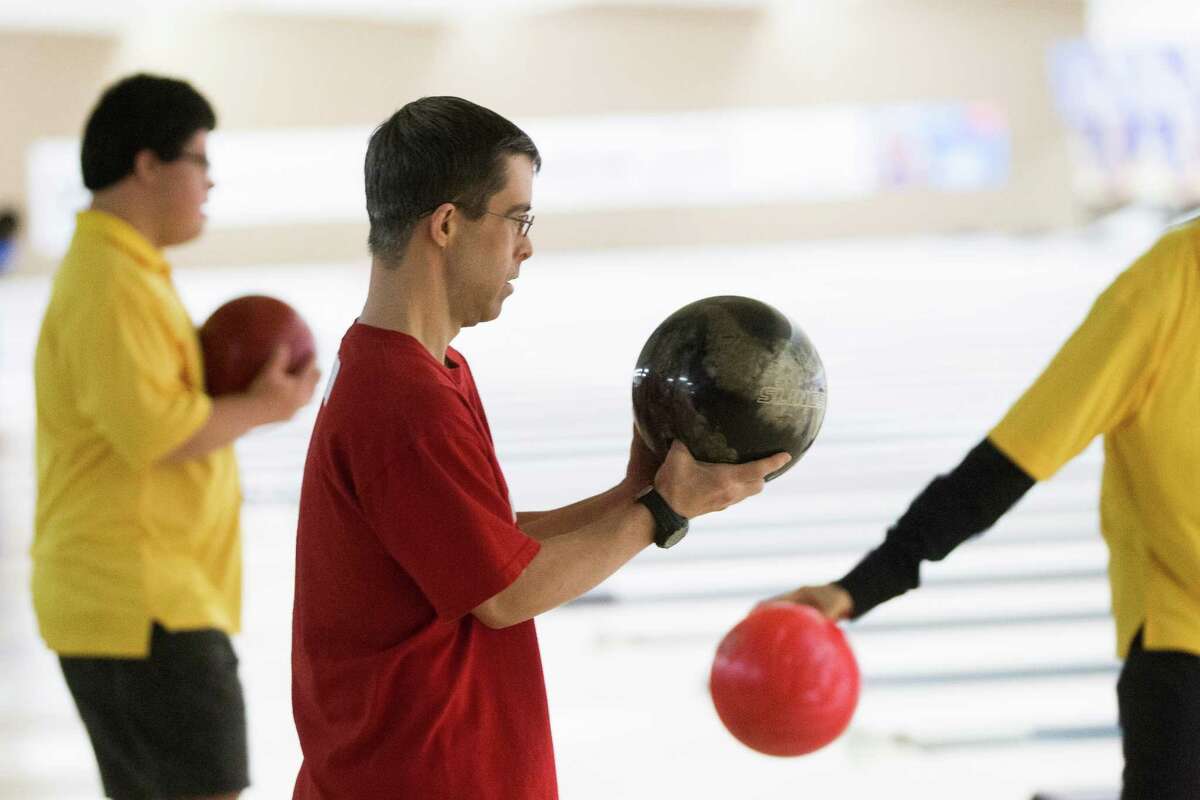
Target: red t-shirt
{"points": [[405, 526]]}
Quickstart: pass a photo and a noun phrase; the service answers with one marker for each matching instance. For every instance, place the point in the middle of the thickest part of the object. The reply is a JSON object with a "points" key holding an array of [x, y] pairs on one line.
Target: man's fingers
{"points": [[757, 470], [311, 376], [775, 462], [279, 359], [309, 364]]}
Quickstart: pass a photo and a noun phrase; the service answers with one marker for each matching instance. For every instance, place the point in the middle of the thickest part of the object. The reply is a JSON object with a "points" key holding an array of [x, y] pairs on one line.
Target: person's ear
{"points": [[442, 222], [146, 164]]}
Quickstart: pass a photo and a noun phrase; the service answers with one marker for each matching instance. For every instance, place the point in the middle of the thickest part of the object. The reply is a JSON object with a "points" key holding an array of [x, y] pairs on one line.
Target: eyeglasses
{"points": [[199, 159], [524, 222]]}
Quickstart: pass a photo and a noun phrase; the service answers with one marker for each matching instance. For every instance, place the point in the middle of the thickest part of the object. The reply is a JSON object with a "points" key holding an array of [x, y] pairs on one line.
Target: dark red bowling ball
{"points": [[733, 379], [784, 680], [239, 337]]}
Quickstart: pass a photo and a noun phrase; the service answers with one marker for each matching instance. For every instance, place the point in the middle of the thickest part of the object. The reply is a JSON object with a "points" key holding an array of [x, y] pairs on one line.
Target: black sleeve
{"points": [[952, 509]]}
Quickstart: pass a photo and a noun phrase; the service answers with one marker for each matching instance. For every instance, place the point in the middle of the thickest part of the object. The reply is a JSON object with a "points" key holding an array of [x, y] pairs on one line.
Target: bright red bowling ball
{"points": [[784, 680], [239, 337]]}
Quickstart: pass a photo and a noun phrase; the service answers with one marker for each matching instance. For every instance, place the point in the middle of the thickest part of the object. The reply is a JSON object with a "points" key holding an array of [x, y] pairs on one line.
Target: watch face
{"points": [[673, 537]]}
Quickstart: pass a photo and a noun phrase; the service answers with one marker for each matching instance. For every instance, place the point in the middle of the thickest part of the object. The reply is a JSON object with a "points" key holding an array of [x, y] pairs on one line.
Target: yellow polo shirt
{"points": [[1132, 373], [120, 539]]}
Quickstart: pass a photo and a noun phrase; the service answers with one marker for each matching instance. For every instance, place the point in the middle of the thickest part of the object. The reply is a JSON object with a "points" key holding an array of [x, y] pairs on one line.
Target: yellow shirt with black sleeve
{"points": [[121, 539], [1132, 373]]}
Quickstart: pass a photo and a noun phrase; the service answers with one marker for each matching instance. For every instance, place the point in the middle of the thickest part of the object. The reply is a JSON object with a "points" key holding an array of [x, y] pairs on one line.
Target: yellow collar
{"points": [[123, 235]]}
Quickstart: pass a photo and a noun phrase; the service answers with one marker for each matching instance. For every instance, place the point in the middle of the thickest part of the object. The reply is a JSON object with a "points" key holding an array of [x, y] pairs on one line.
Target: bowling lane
{"points": [[993, 682]]}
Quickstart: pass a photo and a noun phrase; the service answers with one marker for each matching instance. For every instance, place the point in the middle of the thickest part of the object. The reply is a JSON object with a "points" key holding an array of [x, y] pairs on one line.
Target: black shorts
{"points": [[167, 726], [1158, 695]]}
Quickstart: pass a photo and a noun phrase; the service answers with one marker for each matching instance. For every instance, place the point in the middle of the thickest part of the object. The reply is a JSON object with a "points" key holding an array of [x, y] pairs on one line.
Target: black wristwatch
{"points": [[669, 527]]}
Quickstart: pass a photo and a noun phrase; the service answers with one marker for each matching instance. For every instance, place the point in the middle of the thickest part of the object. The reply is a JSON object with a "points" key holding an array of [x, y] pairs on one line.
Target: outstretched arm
{"points": [[951, 509], [274, 396], [568, 565], [543, 525], [1098, 380]]}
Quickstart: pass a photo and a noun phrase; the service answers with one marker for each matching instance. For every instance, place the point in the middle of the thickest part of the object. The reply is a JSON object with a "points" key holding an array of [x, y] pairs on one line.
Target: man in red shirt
{"points": [[416, 671]]}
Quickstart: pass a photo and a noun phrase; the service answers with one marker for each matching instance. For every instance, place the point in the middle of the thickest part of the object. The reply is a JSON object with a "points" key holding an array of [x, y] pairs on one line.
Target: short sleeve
{"points": [[1103, 373], [130, 377], [440, 512]]}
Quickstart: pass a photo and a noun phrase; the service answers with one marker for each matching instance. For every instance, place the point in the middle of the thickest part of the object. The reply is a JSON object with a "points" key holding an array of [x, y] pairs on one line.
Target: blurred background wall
{"points": [[937, 189], [268, 70]]}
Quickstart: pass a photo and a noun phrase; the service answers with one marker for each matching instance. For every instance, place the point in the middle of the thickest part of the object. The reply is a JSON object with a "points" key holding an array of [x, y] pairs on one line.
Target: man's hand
{"points": [[694, 488], [274, 396], [831, 600], [278, 394]]}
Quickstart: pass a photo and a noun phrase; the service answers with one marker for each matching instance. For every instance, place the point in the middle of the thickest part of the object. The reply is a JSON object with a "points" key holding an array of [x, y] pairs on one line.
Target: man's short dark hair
{"points": [[432, 151], [141, 112]]}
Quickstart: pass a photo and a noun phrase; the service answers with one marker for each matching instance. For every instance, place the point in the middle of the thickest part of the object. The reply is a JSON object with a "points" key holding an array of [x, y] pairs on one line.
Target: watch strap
{"points": [[669, 526]]}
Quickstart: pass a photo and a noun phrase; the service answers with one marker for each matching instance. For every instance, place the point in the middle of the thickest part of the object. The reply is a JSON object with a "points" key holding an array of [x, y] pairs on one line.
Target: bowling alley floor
{"points": [[993, 682]]}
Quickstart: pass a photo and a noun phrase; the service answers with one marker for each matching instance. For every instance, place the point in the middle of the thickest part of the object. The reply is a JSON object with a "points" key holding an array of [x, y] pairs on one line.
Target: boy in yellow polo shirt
{"points": [[1131, 372], [137, 548]]}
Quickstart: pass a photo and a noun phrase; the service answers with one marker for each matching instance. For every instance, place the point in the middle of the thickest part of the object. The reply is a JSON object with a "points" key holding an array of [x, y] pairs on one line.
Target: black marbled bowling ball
{"points": [[733, 379]]}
